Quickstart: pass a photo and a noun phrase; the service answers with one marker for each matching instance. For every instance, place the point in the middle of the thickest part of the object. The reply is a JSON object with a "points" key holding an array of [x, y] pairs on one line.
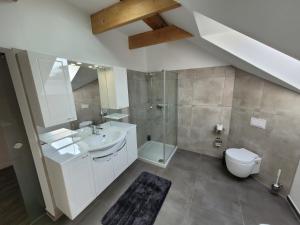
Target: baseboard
{"points": [[295, 208]]}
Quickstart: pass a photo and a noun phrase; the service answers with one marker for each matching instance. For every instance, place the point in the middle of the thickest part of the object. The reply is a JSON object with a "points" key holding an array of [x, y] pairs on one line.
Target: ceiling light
{"points": [[79, 63]]}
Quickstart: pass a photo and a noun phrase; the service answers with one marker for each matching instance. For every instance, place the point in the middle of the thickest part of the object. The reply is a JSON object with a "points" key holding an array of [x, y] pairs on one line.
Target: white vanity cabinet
{"points": [[132, 150], [79, 173], [72, 184], [103, 171], [48, 86], [108, 166], [113, 88], [120, 162]]}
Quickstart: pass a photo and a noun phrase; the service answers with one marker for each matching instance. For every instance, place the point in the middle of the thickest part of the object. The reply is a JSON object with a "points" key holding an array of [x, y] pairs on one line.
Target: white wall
{"points": [[179, 55], [58, 28]]}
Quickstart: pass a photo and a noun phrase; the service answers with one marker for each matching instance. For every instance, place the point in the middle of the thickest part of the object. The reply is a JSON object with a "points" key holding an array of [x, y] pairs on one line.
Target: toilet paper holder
{"points": [[219, 128]]}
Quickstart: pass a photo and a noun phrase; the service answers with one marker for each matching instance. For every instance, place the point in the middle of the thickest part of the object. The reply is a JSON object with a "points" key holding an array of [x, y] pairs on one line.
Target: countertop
{"points": [[76, 146]]}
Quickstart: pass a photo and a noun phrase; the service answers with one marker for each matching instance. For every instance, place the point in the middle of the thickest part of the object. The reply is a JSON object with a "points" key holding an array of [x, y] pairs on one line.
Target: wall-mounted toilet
{"points": [[242, 162]]}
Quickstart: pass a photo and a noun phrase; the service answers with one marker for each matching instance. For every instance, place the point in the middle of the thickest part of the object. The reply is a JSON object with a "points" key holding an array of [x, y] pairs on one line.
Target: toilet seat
{"points": [[241, 156]]}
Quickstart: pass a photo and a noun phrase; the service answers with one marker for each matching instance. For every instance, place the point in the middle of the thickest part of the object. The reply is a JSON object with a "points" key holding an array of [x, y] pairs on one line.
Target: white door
{"points": [[295, 190], [79, 184], [120, 161], [103, 172]]}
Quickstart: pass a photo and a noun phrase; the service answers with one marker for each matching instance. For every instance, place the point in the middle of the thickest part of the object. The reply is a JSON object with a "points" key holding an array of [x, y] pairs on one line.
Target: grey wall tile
{"points": [[208, 90], [202, 103], [278, 99], [185, 91], [185, 116], [278, 144], [248, 90], [228, 87]]}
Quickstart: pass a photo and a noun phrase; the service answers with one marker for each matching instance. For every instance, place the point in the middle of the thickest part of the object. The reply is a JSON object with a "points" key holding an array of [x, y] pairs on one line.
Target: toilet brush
{"points": [[275, 188]]}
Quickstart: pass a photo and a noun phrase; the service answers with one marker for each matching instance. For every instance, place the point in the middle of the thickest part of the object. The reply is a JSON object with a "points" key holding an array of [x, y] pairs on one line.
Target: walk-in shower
{"points": [[153, 107]]}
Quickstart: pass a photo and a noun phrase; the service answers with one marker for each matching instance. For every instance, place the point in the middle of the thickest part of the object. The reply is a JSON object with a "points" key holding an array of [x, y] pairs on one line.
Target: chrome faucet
{"points": [[94, 129]]}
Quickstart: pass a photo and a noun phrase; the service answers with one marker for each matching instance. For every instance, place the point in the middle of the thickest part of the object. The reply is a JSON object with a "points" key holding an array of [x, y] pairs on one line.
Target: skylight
{"points": [[73, 69], [263, 57]]}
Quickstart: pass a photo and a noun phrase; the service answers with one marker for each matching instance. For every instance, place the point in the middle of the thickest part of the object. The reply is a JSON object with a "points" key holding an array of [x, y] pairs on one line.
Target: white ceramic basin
{"points": [[106, 139]]}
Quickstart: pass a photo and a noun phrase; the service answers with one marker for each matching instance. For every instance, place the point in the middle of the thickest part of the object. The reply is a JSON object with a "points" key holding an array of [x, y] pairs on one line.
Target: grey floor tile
{"points": [[202, 193], [217, 196], [211, 217]]}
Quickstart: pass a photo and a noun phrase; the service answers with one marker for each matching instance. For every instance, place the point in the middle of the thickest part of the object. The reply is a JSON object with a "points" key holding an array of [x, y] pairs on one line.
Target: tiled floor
{"points": [[12, 207], [202, 193]]}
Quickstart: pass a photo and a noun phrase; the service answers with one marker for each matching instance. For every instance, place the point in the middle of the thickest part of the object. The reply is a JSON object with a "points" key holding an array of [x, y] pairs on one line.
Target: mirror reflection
{"points": [[86, 92]]}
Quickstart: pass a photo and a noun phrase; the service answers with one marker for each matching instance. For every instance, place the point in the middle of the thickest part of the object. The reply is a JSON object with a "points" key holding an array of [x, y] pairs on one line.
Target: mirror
{"points": [[86, 92], [93, 85]]}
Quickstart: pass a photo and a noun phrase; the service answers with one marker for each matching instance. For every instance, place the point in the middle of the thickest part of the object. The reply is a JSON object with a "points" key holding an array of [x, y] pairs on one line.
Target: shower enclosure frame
{"points": [[165, 106]]}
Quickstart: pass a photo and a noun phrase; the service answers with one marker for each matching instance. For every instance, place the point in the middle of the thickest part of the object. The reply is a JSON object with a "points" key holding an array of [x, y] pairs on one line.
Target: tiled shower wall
{"points": [[204, 100], [139, 104], [278, 144], [145, 91]]}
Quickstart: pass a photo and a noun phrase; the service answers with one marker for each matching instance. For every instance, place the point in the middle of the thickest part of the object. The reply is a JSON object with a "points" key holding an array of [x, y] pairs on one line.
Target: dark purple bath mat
{"points": [[141, 202]]}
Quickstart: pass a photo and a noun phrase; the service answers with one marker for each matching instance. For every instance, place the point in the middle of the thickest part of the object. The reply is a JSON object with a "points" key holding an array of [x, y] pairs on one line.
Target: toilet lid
{"points": [[242, 155]]}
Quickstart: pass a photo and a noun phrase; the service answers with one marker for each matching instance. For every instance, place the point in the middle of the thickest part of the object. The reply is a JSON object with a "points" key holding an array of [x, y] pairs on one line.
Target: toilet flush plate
{"points": [[258, 122]]}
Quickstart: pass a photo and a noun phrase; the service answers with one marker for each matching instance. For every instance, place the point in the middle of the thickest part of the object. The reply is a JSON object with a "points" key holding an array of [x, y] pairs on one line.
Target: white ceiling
{"points": [[180, 16], [92, 6], [267, 59], [275, 23]]}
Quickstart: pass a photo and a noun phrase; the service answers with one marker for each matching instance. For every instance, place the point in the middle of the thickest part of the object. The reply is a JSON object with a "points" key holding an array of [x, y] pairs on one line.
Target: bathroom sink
{"points": [[105, 139]]}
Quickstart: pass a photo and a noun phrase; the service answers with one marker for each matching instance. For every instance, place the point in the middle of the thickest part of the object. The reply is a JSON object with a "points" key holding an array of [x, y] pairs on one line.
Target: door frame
{"points": [[31, 131]]}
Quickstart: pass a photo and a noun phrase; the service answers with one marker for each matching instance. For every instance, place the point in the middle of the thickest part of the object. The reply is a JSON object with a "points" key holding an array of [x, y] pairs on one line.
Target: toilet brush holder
{"points": [[275, 188]]}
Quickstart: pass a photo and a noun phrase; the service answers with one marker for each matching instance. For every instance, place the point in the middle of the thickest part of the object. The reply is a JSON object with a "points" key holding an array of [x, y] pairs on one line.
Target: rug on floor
{"points": [[140, 203]]}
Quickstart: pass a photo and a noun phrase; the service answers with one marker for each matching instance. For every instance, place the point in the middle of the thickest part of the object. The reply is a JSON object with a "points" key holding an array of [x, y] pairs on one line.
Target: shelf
{"points": [[116, 116], [56, 135]]}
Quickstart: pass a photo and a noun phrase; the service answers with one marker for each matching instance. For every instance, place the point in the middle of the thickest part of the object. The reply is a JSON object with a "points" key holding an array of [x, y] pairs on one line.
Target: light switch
{"points": [[258, 122]]}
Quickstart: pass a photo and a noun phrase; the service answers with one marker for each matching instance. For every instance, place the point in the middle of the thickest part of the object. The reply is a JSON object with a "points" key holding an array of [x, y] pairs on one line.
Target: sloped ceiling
{"points": [[275, 23], [281, 66]]}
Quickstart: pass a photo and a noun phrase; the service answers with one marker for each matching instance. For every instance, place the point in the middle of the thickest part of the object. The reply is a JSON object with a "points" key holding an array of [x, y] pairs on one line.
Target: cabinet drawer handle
{"points": [[122, 146], [101, 157]]}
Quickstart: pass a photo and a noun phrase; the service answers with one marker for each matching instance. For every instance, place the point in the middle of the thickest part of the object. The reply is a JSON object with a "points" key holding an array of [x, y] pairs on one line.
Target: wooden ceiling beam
{"points": [[128, 11], [162, 35], [155, 22]]}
